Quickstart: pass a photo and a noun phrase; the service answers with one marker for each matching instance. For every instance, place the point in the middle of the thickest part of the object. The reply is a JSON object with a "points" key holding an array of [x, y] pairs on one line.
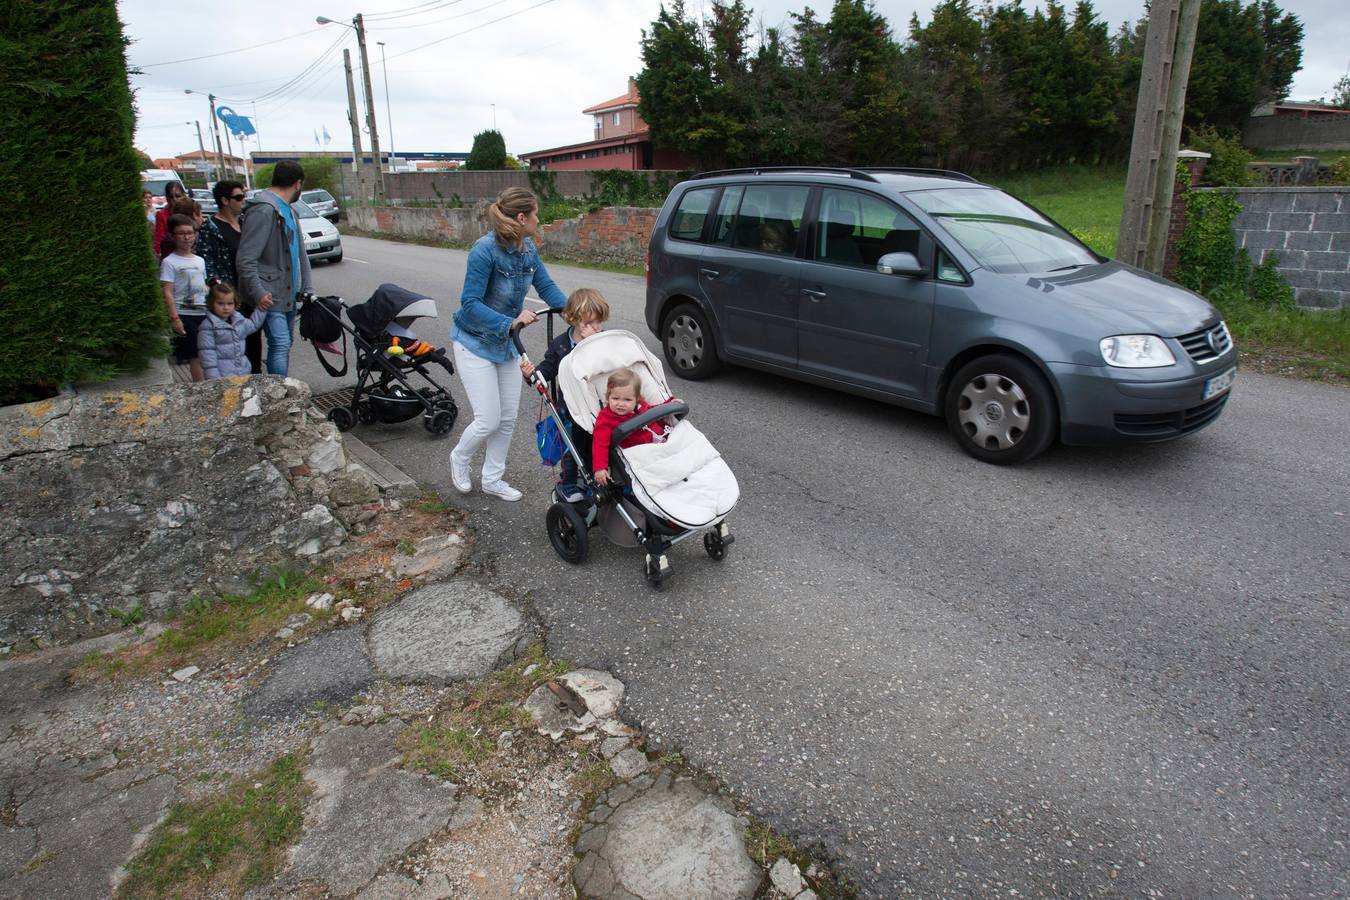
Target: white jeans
{"points": [[494, 394]]}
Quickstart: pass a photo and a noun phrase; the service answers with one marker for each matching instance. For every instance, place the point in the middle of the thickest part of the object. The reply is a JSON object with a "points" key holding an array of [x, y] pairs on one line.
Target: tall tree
{"points": [[488, 151]]}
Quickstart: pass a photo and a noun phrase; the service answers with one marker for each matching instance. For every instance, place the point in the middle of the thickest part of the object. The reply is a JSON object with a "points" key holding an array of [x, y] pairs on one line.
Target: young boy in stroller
{"points": [[658, 493]]}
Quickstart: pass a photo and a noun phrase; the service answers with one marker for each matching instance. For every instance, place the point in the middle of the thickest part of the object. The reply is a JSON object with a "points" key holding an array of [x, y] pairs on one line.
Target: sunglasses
{"points": [[236, 197]]}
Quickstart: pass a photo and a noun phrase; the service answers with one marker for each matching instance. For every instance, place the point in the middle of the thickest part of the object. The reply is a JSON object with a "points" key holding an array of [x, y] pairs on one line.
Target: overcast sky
{"points": [[450, 62]]}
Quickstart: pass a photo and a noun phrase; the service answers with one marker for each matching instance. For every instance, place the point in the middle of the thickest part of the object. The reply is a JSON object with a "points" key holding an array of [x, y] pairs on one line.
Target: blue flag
{"points": [[327, 138]]}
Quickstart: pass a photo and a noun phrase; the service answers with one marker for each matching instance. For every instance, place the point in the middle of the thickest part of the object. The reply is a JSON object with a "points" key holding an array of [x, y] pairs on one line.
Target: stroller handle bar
{"points": [[677, 408]]}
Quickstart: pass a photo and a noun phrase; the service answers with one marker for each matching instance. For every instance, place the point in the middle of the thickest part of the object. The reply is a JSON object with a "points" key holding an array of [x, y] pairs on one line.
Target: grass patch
{"points": [[1309, 343], [465, 732], [236, 620], [228, 843], [1325, 157], [1086, 200], [432, 507]]}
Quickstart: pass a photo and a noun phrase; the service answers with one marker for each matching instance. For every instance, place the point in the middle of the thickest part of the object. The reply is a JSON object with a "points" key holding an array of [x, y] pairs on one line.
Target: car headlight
{"points": [[1137, 351]]}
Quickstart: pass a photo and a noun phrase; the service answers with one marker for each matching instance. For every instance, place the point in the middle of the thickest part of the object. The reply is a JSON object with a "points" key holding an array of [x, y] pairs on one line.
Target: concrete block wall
{"points": [[1307, 230]]}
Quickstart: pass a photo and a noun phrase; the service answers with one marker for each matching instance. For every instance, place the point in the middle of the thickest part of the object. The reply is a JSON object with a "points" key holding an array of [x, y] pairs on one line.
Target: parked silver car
{"points": [[930, 290], [322, 240], [207, 201], [322, 203]]}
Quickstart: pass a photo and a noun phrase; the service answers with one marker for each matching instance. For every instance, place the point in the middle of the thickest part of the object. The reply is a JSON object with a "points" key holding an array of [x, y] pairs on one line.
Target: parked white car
{"points": [[322, 240]]}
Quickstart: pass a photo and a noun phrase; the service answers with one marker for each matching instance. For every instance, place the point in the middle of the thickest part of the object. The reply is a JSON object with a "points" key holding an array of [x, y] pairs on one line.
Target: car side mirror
{"points": [[900, 264]]}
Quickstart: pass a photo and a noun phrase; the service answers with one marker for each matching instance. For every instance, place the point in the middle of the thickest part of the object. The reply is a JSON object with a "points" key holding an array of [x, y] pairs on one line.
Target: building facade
{"points": [[620, 140]]}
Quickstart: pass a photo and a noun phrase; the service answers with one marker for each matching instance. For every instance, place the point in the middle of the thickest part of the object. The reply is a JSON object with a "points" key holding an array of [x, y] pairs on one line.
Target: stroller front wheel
{"points": [[439, 422], [567, 533]]}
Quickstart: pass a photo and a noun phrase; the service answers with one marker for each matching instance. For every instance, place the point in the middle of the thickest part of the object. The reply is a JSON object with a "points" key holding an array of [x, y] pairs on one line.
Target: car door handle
{"points": [[711, 273], [816, 296]]}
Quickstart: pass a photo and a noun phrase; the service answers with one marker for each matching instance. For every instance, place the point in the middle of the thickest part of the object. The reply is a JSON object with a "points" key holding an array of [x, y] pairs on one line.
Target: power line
{"points": [[471, 12], [418, 10], [268, 95], [174, 62], [467, 30]]}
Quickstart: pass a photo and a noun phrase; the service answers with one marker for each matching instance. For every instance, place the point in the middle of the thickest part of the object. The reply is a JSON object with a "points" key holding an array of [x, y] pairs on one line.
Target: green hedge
{"points": [[79, 292]]}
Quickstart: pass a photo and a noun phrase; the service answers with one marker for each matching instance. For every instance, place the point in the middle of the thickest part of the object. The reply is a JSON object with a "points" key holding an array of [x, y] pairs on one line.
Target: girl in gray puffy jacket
{"points": [[220, 338]]}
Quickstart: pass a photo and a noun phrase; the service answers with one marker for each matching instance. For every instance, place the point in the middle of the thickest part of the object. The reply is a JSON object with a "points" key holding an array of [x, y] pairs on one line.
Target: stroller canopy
{"points": [[390, 305]]}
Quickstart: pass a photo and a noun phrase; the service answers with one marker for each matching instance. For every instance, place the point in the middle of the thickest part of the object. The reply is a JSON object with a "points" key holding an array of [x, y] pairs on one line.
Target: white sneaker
{"points": [[502, 491], [459, 475]]}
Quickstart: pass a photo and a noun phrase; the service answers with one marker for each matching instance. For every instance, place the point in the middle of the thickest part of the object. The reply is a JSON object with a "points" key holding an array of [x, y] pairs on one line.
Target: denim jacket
{"points": [[494, 294]]}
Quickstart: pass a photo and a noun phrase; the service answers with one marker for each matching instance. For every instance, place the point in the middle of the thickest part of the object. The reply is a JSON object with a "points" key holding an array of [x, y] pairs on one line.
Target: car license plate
{"points": [[312, 247], [1219, 383]]}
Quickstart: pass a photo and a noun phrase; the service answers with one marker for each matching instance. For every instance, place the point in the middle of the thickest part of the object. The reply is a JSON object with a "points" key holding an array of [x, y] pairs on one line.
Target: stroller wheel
{"points": [[658, 571], [342, 417], [439, 422], [713, 544], [567, 533]]}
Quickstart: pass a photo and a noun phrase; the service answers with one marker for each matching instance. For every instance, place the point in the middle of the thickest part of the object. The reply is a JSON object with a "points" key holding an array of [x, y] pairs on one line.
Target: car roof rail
{"points": [[857, 174], [912, 170]]}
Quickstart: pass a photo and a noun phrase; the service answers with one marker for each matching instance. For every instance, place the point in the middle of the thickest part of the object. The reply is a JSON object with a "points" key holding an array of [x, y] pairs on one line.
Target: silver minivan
{"points": [[930, 290]]}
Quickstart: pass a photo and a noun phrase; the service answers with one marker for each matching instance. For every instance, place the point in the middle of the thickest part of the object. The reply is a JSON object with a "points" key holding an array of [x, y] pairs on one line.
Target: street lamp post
{"points": [[388, 107]]}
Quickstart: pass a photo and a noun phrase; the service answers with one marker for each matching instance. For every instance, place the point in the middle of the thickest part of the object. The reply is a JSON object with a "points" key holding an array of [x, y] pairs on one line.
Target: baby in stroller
{"points": [[657, 493]]}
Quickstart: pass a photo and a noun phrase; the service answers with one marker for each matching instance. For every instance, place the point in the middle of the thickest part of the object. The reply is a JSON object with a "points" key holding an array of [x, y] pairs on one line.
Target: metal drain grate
{"points": [[324, 402]]}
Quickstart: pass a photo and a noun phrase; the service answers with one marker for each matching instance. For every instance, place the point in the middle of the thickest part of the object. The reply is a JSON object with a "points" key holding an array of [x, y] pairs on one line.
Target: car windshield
{"points": [[1003, 233], [156, 186], [304, 210], [317, 197]]}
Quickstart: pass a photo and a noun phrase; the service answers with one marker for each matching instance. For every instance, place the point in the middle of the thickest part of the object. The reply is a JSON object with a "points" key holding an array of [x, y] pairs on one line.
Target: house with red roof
{"points": [[621, 140]]}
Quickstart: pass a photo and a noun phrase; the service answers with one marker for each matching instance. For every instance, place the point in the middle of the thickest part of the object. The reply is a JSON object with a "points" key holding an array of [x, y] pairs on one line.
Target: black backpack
{"points": [[321, 323]]}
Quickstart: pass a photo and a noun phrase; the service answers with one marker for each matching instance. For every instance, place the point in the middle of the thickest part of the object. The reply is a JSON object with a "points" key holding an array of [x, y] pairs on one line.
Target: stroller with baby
{"points": [[388, 354], [659, 494]]}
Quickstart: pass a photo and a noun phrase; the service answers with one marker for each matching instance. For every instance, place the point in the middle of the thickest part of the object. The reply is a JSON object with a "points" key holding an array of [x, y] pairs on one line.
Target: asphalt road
{"points": [[1109, 672]]}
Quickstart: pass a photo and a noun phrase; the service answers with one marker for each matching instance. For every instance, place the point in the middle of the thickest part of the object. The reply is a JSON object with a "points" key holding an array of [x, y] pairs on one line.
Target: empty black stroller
{"points": [[387, 353]]}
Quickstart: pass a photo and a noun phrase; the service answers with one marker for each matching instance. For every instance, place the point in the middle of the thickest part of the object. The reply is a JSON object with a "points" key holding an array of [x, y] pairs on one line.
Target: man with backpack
{"points": [[272, 261]]}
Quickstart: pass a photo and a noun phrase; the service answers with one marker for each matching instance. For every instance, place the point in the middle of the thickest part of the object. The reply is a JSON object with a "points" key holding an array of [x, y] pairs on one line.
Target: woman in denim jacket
{"points": [[503, 265]]}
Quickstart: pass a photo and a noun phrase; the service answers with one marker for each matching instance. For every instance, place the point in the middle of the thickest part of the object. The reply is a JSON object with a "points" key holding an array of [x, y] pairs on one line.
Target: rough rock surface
{"points": [[446, 632], [332, 668], [149, 496], [662, 837], [365, 813], [601, 692], [75, 823]]}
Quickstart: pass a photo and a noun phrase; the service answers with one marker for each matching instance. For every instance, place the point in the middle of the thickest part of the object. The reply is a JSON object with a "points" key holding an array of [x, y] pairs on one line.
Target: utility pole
{"points": [[1168, 47], [351, 118], [215, 129], [202, 147], [370, 104], [1187, 24]]}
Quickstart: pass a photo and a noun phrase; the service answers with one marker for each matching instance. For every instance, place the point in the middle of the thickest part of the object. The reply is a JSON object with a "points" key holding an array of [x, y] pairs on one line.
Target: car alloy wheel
{"points": [[687, 342]]}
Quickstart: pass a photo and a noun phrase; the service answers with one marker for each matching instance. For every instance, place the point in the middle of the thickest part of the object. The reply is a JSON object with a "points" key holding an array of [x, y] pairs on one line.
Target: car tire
{"points": [[1001, 409], [688, 344], [335, 259]]}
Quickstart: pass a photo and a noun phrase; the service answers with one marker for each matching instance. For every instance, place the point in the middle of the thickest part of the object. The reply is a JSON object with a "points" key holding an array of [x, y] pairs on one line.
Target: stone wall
{"points": [[151, 496], [1297, 132], [480, 185], [611, 235], [1307, 230]]}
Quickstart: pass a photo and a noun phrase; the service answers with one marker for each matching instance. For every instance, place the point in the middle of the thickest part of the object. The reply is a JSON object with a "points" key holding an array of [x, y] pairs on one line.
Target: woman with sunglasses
{"points": [[218, 244]]}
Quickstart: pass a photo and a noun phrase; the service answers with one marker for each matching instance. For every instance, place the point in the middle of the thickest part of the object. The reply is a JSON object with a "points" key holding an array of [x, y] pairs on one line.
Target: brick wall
{"points": [[611, 235]]}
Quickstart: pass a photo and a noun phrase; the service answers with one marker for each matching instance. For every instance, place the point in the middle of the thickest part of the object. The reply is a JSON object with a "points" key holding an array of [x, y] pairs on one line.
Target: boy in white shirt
{"points": [[182, 275]]}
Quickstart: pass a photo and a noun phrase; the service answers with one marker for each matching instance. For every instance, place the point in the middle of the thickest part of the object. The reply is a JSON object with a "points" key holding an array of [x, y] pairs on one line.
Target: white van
{"points": [[156, 180]]}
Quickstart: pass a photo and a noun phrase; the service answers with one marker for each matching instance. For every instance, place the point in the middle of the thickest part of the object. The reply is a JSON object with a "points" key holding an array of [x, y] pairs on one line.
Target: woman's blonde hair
{"points": [[623, 378], [585, 304], [511, 202]]}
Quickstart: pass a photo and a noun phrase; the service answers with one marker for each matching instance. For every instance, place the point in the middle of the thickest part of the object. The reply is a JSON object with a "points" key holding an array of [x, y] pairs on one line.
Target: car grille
{"points": [[1207, 344], [316, 234], [1171, 424]]}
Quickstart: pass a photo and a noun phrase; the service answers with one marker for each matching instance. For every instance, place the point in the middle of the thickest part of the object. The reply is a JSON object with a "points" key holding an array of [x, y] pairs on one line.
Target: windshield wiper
{"points": [[1072, 266]]}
